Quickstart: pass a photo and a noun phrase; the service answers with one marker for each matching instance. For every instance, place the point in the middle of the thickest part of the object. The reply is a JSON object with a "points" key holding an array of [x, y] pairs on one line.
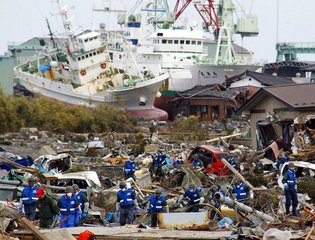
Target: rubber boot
{"points": [[287, 212], [294, 213]]}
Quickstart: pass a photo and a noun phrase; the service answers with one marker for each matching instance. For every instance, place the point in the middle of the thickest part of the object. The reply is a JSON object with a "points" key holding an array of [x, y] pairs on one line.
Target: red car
{"points": [[211, 158]]}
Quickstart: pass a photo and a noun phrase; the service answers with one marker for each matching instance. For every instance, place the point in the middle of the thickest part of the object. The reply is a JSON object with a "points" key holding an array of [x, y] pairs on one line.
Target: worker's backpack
{"points": [[87, 235]]}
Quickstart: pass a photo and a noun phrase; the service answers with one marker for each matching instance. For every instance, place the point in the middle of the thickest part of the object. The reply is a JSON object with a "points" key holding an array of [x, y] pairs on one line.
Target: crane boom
{"points": [[205, 8]]}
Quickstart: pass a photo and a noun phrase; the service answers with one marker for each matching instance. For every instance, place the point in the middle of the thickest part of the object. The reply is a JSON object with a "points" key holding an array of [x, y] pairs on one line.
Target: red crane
{"points": [[205, 9]]}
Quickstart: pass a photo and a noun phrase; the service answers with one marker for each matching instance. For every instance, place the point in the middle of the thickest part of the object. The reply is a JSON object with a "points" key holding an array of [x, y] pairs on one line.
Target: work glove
{"points": [[84, 215], [137, 211], [167, 209], [251, 194], [117, 213], [21, 210], [286, 187]]}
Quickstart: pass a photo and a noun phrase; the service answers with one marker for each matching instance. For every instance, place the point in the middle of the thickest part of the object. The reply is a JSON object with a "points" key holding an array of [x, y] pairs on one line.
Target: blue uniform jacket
{"points": [[197, 164], [240, 191], [160, 160], [194, 196], [156, 204], [126, 197], [67, 206], [177, 163], [130, 167], [291, 179], [29, 195]]}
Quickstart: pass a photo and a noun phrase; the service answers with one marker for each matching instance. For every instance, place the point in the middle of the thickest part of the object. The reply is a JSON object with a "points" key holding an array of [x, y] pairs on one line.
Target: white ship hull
{"points": [[138, 101], [202, 75], [190, 75]]}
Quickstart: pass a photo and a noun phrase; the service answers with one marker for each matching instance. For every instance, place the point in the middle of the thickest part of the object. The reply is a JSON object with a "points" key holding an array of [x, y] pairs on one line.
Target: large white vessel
{"points": [[83, 75], [189, 56]]}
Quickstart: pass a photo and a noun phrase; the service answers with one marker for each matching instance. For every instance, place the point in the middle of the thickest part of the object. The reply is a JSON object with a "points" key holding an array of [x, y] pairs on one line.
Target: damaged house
{"points": [[209, 102], [253, 81], [274, 109]]}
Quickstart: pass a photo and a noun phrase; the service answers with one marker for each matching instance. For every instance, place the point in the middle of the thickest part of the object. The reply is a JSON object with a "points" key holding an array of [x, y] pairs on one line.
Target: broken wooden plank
{"points": [[61, 233], [311, 231], [240, 176], [33, 229], [152, 191], [17, 183], [225, 137], [19, 166], [6, 206]]}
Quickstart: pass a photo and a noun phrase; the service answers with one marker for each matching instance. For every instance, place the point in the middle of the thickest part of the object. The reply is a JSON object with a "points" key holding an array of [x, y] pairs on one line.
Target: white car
{"points": [[303, 169], [85, 179]]}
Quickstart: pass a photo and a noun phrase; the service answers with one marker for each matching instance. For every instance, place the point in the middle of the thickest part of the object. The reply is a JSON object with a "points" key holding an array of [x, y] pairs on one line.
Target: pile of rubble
{"points": [[240, 191]]}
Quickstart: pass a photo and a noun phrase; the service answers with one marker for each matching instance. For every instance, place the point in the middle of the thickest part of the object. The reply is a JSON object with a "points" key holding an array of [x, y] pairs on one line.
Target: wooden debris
{"points": [[59, 234], [240, 176], [225, 137], [34, 230], [311, 232], [151, 191], [26, 169]]}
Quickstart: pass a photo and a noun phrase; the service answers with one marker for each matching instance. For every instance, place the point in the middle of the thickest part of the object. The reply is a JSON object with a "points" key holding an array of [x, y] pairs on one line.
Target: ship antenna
{"points": [[51, 35], [55, 45]]}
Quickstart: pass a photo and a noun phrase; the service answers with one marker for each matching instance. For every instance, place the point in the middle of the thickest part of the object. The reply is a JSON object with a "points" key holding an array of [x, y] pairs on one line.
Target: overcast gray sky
{"points": [[24, 19]]}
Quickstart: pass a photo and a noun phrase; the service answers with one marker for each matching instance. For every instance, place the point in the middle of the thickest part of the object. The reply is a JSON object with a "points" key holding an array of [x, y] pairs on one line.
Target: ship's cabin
{"points": [[178, 41], [89, 41]]}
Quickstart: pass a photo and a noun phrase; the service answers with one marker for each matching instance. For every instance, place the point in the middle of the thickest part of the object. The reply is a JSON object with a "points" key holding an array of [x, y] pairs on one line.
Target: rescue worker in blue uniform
{"points": [[194, 196], [130, 168], [126, 202], [290, 190], [232, 162], [29, 199], [214, 198], [157, 165], [67, 205], [242, 191], [82, 210], [178, 162], [157, 204], [196, 162], [160, 160]]}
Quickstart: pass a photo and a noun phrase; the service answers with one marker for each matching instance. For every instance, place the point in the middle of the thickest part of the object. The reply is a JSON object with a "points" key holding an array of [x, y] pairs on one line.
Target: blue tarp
{"points": [[26, 161], [44, 68]]}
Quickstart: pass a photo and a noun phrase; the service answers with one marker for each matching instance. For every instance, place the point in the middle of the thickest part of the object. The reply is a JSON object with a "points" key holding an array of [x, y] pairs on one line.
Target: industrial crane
{"points": [[220, 22], [205, 8]]}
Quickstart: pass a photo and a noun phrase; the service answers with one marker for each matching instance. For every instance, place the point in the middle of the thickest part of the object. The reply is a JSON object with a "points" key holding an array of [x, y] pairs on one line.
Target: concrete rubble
{"points": [[96, 161]]}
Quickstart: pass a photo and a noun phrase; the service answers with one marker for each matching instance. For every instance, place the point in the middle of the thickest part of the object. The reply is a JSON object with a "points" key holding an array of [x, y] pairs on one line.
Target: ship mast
{"points": [[70, 30], [67, 24], [51, 35]]}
